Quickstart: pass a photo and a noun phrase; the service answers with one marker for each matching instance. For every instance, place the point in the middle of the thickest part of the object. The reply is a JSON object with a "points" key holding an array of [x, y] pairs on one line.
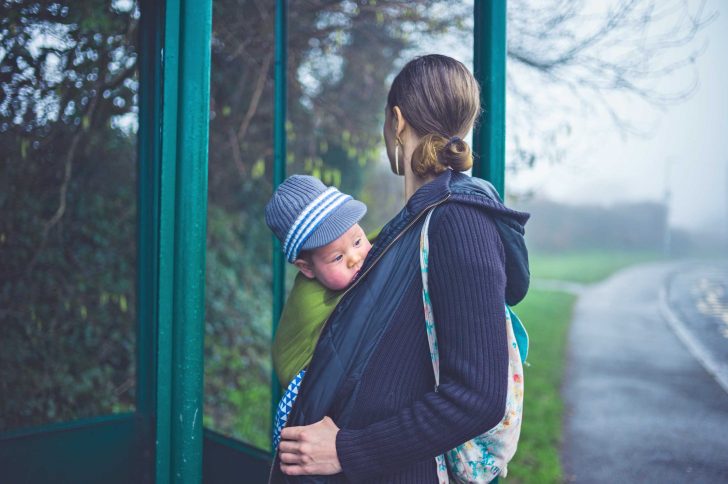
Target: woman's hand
{"points": [[310, 450]]}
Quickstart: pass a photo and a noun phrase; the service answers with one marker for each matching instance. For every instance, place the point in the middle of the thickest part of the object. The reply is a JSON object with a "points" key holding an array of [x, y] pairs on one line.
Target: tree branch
{"points": [[255, 98]]}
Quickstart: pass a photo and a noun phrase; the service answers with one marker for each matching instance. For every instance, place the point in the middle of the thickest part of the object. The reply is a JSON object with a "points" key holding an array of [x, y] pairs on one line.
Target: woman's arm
{"points": [[467, 281]]}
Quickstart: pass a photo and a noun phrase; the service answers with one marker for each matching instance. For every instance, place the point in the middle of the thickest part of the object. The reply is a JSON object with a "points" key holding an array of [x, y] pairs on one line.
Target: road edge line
{"points": [[695, 348]]}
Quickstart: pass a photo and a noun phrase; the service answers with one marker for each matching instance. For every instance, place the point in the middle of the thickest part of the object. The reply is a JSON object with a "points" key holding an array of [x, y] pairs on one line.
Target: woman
{"points": [[367, 409]]}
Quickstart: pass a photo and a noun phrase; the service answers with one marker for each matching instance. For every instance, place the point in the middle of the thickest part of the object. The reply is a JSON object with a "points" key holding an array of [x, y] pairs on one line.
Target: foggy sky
{"points": [[686, 152]]}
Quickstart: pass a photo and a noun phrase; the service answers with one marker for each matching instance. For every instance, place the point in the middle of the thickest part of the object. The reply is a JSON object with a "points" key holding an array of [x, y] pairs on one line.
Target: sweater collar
{"points": [[430, 192]]}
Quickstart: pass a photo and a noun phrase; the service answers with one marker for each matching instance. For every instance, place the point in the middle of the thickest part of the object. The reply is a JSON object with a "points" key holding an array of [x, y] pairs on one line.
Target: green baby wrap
{"points": [[307, 308]]}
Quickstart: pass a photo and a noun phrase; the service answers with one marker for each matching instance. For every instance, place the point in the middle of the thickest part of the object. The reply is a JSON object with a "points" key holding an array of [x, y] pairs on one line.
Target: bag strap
{"points": [[427, 303], [521, 336], [440, 462]]}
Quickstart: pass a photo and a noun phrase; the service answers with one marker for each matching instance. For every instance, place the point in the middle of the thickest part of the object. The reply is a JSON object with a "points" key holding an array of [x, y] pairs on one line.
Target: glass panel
{"points": [[68, 121], [624, 173], [342, 57], [349, 53], [238, 286]]}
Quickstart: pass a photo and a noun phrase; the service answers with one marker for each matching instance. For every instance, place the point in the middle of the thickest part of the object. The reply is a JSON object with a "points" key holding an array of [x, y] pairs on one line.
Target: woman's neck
{"points": [[412, 183]]}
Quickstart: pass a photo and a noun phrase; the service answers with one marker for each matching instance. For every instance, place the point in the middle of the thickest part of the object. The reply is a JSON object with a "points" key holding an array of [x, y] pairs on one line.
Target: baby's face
{"points": [[336, 264]]}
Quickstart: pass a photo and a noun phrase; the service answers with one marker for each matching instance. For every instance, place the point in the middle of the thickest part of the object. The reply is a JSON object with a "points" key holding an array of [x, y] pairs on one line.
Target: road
{"points": [[695, 299], [640, 407]]}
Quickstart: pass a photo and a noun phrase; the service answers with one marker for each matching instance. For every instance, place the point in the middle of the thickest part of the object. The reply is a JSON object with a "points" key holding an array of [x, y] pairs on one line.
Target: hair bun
{"points": [[456, 154], [436, 153]]}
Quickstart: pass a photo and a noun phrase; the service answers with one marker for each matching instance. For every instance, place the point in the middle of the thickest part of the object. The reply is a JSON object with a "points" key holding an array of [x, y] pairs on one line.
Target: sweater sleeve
{"points": [[467, 286]]}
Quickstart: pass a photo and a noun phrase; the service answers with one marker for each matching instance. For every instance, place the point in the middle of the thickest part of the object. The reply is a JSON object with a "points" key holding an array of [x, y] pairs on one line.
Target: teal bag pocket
{"points": [[519, 331]]}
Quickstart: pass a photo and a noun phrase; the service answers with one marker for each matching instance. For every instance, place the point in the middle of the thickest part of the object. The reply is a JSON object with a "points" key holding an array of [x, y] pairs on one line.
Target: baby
{"points": [[319, 231]]}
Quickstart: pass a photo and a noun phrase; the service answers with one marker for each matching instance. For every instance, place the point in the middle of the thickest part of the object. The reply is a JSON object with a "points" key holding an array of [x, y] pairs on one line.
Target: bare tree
{"points": [[606, 57]]}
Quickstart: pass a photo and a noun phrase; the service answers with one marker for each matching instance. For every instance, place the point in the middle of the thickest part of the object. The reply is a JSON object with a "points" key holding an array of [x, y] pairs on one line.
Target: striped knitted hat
{"points": [[305, 214]]}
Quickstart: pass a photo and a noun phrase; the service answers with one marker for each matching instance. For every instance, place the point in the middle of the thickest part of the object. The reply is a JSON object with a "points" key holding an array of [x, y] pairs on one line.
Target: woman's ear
{"points": [[399, 122], [305, 267]]}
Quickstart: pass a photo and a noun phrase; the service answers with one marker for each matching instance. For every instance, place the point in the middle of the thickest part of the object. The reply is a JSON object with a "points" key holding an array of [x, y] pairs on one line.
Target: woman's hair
{"points": [[440, 99]]}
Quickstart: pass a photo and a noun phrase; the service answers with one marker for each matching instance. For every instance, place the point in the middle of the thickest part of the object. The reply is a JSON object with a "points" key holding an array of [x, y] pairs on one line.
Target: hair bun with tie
{"points": [[436, 153]]}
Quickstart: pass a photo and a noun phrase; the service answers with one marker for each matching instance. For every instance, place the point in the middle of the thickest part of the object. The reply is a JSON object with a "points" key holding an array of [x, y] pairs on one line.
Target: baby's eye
{"points": [[357, 243], [338, 258]]}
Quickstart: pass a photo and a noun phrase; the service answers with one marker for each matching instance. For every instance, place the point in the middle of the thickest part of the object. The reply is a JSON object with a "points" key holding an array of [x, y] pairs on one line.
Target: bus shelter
{"points": [[157, 433]]}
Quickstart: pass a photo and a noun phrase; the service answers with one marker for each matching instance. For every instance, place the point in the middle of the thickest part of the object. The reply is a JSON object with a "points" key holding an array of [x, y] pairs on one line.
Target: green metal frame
{"points": [[182, 239], [148, 233], [489, 49], [164, 185], [279, 169], [177, 207]]}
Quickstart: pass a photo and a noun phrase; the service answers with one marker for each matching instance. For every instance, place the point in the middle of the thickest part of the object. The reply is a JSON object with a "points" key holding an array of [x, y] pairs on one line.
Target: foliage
{"points": [[67, 205], [67, 221], [340, 55], [238, 331], [67, 346]]}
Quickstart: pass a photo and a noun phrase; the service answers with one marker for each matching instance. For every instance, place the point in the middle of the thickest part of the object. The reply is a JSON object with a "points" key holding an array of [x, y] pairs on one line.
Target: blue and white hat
{"points": [[305, 214]]}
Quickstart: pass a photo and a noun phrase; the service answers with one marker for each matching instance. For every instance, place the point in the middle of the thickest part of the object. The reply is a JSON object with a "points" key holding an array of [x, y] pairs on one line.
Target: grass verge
{"points": [[547, 316], [585, 266]]}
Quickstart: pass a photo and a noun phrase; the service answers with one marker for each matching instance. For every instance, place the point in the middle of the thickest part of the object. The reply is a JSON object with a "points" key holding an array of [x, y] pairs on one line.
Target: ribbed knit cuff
{"points": [[355, 463]]}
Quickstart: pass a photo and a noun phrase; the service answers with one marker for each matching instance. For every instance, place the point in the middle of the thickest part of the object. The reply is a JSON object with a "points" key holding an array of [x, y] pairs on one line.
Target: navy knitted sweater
{"points": [[371, 370], [399, 424]]}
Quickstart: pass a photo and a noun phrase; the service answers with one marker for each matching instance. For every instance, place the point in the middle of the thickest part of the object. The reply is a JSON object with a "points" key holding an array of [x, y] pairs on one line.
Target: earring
{"points": [[396, 156]]}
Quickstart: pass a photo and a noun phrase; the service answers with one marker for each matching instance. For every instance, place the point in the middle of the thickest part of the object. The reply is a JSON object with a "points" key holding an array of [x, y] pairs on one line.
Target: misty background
{"points": [[679, 159], [637, 159], [617, 115]]}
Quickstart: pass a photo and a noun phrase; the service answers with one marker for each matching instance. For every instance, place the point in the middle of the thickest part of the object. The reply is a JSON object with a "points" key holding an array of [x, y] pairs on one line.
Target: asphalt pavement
{"points": [[695, 303], [640, 407]]}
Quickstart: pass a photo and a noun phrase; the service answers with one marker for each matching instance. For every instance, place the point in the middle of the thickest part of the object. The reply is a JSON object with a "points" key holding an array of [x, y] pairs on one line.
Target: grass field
{"points": [[585, 266], [546, 316]]}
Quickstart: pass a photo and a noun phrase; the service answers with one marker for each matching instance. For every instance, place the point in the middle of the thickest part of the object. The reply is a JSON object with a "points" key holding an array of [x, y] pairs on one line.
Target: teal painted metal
{"points": [[279, 168], [166, 176], [490, 70], [241, 448], [193, 125], [181, 224], [149, 158], [226, 460], [99, 449]]}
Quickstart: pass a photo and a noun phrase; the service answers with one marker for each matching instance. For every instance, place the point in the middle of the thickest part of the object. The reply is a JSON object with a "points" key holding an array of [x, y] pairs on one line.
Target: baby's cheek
{"points": [[347, 278], [339, 280]]}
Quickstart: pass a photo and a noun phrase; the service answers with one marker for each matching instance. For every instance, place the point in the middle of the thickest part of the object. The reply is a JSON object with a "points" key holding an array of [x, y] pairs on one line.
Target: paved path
{"points": [[639, 406]]}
